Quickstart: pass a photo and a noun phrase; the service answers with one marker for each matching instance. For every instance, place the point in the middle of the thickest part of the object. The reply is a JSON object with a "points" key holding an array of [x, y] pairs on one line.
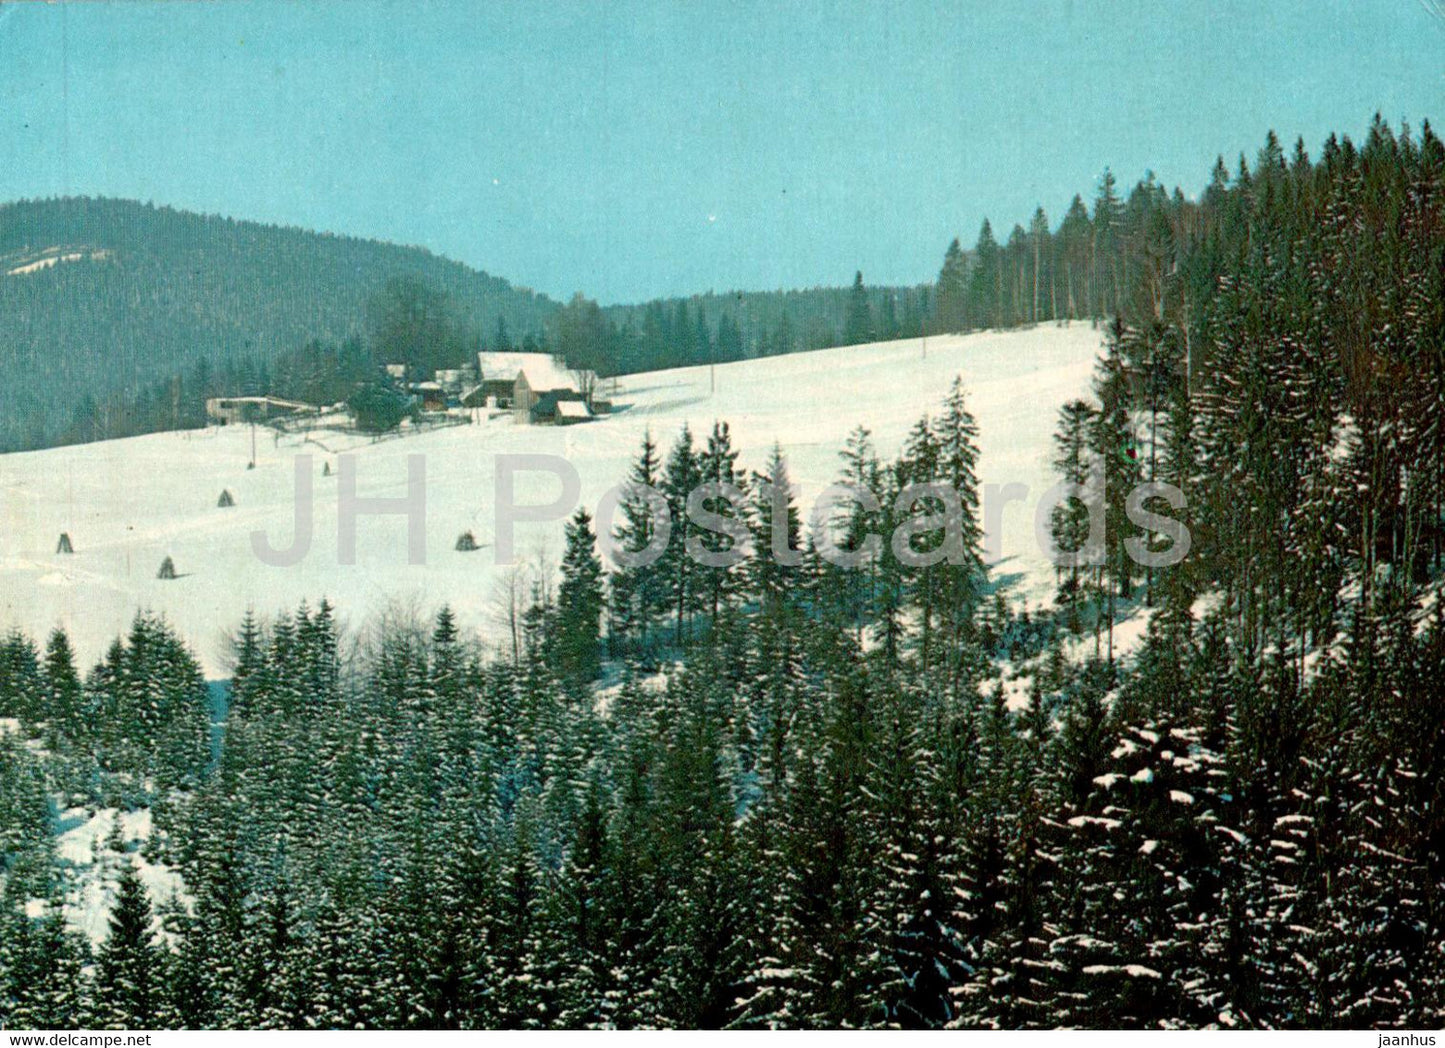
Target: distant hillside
{"points": [[102, 299]]}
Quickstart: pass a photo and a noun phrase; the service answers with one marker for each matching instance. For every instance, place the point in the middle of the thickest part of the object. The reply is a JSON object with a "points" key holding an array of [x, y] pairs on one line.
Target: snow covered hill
{"points": [[129, 504]]}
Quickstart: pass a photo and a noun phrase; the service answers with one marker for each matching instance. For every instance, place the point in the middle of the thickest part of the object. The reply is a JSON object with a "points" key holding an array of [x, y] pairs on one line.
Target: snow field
{"points": [[128, 504]]}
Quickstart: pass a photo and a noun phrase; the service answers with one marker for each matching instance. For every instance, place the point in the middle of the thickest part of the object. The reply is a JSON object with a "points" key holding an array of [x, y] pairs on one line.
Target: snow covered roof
{"points": [[544, 372], [572, 409]]}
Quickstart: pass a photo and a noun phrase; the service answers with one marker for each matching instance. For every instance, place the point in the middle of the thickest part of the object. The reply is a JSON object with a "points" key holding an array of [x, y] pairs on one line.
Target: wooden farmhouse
{"points": [[532, 386]]}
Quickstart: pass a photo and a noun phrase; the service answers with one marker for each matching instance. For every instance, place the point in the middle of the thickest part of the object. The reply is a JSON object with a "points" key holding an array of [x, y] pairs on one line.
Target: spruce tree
{"points": [[637, 592], [580, 603], [859, 326], [130, 972]]}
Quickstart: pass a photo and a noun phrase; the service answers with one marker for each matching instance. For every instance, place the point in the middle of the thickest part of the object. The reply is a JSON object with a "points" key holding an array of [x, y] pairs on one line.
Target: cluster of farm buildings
{"points": [[535, 388]]}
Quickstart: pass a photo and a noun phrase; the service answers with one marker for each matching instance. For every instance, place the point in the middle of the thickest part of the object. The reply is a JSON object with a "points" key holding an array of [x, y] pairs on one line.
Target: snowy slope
{"points": [[91, 849], [128, 504]]}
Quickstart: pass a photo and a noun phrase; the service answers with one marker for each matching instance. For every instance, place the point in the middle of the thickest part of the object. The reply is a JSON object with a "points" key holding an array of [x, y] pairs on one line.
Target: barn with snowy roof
{"points": [[530, 384]]}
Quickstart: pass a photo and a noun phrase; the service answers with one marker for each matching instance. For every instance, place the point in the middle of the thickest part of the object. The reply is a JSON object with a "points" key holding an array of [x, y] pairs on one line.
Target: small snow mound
{"points": [[1079, 821], [1136, 971]]}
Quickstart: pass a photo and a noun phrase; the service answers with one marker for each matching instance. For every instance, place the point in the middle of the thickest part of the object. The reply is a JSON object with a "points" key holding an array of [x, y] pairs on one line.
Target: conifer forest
{"points": [[783, 793]]}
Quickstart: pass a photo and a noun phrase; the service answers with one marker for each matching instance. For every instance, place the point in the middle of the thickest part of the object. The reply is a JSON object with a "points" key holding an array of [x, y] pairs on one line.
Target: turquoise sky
{"points": [[641, 149]]}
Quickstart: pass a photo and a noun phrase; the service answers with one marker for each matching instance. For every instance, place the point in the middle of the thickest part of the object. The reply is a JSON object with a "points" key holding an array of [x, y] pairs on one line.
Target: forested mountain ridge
{"points": [[119, 317], [138, 294]]}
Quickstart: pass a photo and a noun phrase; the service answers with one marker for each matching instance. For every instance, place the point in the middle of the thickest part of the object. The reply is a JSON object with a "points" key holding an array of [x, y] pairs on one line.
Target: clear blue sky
{"points": [[634, 149]]}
